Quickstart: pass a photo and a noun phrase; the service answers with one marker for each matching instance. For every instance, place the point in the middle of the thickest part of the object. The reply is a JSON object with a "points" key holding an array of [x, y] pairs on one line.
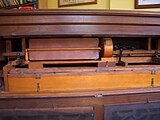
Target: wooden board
{"points": [[63, 43], [81, 81], [64, 55], [68, 43], [2, 50]]}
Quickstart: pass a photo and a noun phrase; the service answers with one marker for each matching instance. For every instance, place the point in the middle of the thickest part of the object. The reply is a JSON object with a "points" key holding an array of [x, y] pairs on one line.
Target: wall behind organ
{"points": [[101, 4]]}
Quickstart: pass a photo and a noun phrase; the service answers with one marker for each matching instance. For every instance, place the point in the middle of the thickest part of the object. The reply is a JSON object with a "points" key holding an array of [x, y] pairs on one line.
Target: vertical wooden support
{"points": [[8, 46], [99, 112], [6, 69], [2, 50], [108, 47], [26, 55], [35, 65], [107, 52], [149, 43], [158, 44], [23, 44]]}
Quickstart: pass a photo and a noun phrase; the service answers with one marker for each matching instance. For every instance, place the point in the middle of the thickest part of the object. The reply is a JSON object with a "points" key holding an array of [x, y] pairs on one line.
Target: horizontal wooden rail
{"points": [[62, 49]]}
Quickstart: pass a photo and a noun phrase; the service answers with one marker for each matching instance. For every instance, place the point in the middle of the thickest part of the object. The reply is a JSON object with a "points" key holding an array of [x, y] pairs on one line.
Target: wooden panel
{"points": [[66, 113], [80, 12], [78, 22], [64, 55], [80, 30], [93, 81], [77, 19], [8, 46], [158, 44], [64, 43], [2, 50], [156, 80], [136, 59]]}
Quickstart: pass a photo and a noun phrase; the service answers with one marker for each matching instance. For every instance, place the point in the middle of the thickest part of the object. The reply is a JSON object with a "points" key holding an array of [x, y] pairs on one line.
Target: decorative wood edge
{"points": [[79, 12], [89, 93]]}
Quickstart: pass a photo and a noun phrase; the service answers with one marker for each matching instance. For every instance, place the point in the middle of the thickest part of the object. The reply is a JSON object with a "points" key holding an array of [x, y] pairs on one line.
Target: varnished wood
{"points": [[8, 46], [137, 53], [137, 59], [48, 102], [108, 48], [62, 49], [158, 44], [89, 93], [133, 68], [35, 86], [6, 69], [2, 50], [149, 45], [99, 112], [13, 54], [23, 44], [89, 22], [77, 81]]}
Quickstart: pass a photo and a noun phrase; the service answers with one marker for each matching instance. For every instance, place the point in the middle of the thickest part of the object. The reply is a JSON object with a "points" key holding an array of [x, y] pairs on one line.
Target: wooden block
{"points": [[8, 46], [74, 43], [85, 81], [34, 65], [64, 55], [2, 50], [64, 43], [109, 59], [158, 44]]}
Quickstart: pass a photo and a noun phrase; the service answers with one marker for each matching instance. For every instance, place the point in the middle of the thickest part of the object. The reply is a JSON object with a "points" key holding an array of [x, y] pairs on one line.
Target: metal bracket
{"points": [[38, 76]]}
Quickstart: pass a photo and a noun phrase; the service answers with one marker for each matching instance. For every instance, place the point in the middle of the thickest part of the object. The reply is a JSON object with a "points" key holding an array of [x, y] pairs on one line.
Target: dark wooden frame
{"points": [[85, 3], [146, 6]]}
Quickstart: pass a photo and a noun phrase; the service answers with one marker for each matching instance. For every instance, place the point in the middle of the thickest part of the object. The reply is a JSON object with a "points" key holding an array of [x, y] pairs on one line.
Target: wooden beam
{"points": [[8, 46]]}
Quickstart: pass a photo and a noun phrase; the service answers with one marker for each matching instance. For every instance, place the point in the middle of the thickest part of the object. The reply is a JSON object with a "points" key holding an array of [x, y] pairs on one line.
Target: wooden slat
{"points": [[62, 49], [13, 54], [156, 59], [39, 64], [80, 12], [63, 43], [1, 74], [2, 50], [83, 30], [84, 69], [149, 43], [85, 81], [79, 22], [23, 44], [77, 19], [92, 93], [8, 46], [136, 59], [66, 62], [138, 53], [64, 55], [158, 44]]}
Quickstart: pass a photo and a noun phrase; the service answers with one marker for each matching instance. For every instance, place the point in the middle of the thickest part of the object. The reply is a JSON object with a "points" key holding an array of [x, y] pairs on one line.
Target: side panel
{"points": [[90, 81]]}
